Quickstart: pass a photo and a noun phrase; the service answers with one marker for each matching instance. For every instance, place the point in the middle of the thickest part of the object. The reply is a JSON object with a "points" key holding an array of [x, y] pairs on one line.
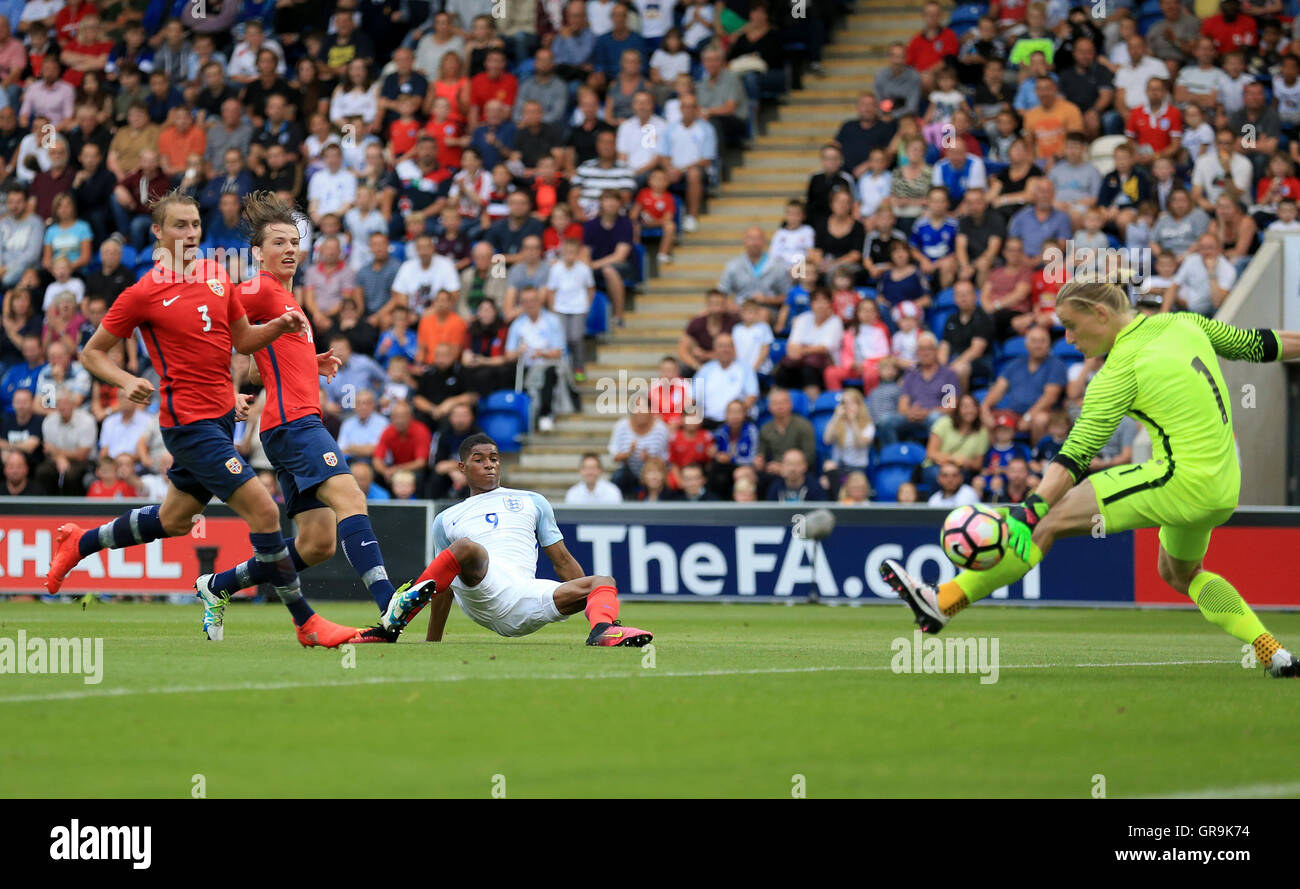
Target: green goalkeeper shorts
{"points": [[1155, 495]]}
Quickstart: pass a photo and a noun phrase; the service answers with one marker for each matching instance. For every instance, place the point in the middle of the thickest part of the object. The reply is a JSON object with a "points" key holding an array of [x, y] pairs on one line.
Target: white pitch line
{"points": [[1245, 791], [82, 694]]}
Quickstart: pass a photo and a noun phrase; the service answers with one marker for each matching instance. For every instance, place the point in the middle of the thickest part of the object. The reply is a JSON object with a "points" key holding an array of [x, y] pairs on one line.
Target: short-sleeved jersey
{"points": [[288, 365], [510, 524], [1163, 371], [186, 327]]}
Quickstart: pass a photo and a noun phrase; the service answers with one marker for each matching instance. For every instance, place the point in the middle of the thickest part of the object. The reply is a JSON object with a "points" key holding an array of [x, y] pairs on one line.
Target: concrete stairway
{"points": [[774, 170]]}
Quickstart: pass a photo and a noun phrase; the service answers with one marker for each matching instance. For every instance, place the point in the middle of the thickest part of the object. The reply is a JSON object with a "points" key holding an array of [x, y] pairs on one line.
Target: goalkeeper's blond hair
{"points": [[1088, 294]]}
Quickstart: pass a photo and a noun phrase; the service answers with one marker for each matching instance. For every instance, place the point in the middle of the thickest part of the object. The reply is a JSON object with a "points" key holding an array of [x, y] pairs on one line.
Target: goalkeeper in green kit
{"points": [[1163, 371]]}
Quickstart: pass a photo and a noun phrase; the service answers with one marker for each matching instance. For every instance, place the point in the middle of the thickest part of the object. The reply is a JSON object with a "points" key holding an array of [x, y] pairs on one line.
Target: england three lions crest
{"points": [[514, 504]]}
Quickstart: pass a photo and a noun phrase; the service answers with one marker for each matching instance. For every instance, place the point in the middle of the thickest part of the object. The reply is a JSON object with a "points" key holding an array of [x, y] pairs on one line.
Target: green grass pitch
{"points": [[739, 701]]}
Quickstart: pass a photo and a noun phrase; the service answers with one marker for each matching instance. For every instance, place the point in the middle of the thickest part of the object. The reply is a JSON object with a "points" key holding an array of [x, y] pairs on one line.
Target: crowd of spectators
{"points": [[994, 159], [469, 185]]}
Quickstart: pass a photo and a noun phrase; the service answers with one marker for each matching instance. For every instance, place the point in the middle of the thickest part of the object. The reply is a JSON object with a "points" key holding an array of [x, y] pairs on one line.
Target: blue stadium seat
{"points": [[980, 393], [1013, 348], [799, 402], [504, 427], [1066, 352], [895, 465], [508, 400], [945, 299], [398, 250], [992, 168], [777, 351], [968, 14], [826, 403], [130, 256], [820, 422], [142, 269], [1150, 7], [938, 318], [598, 315]]}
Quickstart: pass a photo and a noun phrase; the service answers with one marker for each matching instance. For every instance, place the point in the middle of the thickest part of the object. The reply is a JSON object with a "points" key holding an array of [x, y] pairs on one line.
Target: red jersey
{"points": [[1152, 129], [668, 399], [287, 366], [551, 237], [483, 89], [1289, 187], [403, 448], [116, 491], [1242, 33], [683, 450], [402, 135], [186, 330], [655, 206], [441, 131], [924, 53]]}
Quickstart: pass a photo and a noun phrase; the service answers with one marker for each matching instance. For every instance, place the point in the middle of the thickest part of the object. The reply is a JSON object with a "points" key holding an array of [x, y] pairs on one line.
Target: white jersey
{"points": [[511, 525]]}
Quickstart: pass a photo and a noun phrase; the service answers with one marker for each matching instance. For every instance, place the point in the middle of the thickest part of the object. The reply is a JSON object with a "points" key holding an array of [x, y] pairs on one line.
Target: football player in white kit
{"points": [[486, 555]]}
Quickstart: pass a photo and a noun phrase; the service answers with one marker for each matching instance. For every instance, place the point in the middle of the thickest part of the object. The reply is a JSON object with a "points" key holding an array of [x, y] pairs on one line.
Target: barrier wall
{"points": [[682, 553]]}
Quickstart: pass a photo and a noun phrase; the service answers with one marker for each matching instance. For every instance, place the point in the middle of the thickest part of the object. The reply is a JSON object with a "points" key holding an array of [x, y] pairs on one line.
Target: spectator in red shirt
{"points": [[493, 82], [691, 443], [446, 133], [405, 131], [403, 445], [1157, 126], [69, 17], [932, 47], [668, 393], [657, 208], [1230, 29], [108, 485]]}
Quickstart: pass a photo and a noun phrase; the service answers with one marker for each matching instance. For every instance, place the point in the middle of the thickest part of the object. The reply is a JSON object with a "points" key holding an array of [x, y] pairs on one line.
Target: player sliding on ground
{"points": [[319, 490], [191, 317], [1161, 370], [487, 557]]}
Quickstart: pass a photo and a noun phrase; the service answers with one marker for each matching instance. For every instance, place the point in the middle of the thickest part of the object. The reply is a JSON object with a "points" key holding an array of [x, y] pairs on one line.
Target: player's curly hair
{"points": [[467, 446], [263, 209]]}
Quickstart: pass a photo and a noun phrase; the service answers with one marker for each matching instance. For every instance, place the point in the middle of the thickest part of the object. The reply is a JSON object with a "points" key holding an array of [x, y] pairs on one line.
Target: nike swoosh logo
{"points": [[168, 302], [369, 543]]}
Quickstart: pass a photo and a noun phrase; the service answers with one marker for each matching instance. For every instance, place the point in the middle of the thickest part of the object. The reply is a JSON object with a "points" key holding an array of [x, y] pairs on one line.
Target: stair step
{"points": [[567, 460]]}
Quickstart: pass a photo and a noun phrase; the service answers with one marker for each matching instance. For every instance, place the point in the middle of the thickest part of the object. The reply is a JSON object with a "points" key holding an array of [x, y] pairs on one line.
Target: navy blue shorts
{"points": [[205, 463], [304, 454]]}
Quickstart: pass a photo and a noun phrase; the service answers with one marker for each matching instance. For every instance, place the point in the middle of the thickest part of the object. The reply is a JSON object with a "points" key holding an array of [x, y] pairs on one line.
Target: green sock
{"points": [[1223, 606], [978, 584]]}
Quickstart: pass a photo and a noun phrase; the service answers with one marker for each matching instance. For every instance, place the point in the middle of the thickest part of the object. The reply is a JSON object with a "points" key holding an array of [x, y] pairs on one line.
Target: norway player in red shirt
{"points": [[190, 318], [319, 490]]}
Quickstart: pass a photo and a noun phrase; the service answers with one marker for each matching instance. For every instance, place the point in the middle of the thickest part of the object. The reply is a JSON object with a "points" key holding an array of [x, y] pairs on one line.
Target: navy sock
{"points": [[129, 529], [362, 550], [271, 549], [253, 572]]}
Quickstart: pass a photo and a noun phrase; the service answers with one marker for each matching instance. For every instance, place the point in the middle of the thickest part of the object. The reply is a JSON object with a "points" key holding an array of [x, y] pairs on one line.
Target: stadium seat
{"points": [[945, 299], [398, 250], [1102, 152], [777, 351], [895, 465], [1066, 352], [1013, 348], [826, 403], [938, 318], [510, 400], [504, 427], [130, 256], [799, 402], [598, 315]]}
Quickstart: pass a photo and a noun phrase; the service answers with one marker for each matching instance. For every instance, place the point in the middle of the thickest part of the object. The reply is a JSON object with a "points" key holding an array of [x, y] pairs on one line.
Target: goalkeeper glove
{"points": [[1021, 520]]}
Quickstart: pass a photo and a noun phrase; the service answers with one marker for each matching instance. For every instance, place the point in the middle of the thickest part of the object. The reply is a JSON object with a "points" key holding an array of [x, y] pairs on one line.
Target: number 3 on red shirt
{"points": [[207, 322]]}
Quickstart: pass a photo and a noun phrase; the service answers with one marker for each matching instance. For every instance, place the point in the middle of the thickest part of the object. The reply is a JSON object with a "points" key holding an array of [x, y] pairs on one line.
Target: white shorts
{"points": [[510, 603]]}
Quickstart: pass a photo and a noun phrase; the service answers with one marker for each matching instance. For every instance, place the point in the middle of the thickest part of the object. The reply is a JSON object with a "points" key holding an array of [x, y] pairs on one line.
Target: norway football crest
{"points": [[514, 504], [216, 287], [233, 466], [331, 459]]}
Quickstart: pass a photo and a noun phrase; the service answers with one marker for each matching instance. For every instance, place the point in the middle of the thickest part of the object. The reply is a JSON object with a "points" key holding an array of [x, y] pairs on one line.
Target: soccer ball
{"points": [[974, 537]]}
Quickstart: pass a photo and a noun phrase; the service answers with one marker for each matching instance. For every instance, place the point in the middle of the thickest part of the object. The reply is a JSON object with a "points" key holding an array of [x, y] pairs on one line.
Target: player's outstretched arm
{"points": [[1246, 344], [95, 359], [250, 338]]}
